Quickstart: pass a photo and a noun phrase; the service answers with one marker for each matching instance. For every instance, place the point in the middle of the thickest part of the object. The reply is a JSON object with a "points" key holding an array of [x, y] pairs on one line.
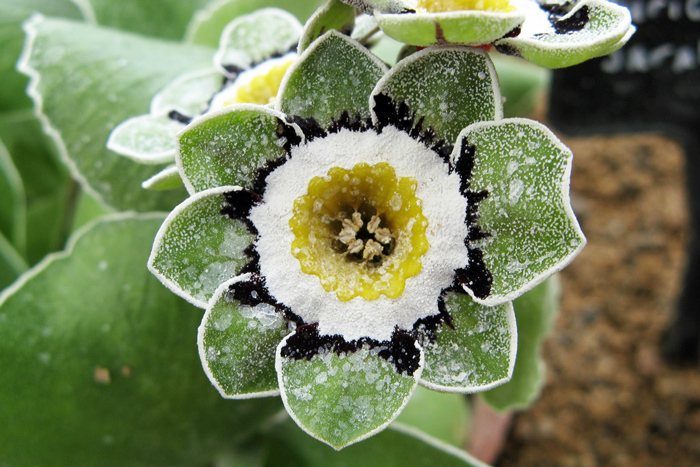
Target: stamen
{"points": [[360, 230], [372, 250]]}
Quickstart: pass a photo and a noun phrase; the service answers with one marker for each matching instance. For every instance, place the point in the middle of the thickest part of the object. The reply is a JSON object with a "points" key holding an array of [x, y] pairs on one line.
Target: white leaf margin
{"points": [[438, 444], [283, 393], [220, 291], [23, 65], [512, 355], [70, 245], [565, 183]]}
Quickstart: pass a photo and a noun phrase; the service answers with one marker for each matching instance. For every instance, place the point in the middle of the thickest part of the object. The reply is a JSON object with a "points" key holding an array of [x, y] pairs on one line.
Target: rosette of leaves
{"points": [[549, 33], [366, 235], [254, 52]]}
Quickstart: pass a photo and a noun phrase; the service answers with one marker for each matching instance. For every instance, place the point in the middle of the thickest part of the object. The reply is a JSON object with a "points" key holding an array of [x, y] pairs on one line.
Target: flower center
{"points": [[440, 6], [258, 85], [361, 231]]}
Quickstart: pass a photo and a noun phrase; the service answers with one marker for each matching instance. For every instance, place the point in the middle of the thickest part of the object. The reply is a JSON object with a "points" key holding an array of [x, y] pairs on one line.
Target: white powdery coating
{"points": [[245, 78], [536, 19], [442, 205]]}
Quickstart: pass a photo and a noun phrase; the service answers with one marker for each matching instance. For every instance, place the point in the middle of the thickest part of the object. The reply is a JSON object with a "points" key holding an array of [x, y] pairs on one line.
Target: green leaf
{"points": [[97, 369], [109, 76], [238, 343], [533, 233], [12, 264], [441, 415], [608, 28], [334, 14], [335, 74], [47, 185], [252, 38], [477, 354], [397, 446], [342, 399], [207, 24], [167, 179], [13, 204], [470, 27], [433, 82], [523, 84], [534, 312], [160, 18], [226, 147], [87, 209], [14, 12], [198, 248]]}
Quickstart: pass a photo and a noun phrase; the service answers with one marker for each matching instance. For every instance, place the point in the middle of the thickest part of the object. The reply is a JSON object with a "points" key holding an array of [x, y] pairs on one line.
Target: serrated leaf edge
{"points": [[70, 245], [34, 76]]}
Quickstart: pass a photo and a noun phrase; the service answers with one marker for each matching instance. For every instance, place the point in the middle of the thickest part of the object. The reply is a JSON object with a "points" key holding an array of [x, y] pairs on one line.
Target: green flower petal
{"points": [[478, 354], [534, 312], [237, 345], [189, 94], [148, 139], [609, 27], [228, 146], [198, 248], [335, 74], [458, 27], [432, 83], [252, 38], [166, 179], [524, 170], [334, 14], [341, 400]]}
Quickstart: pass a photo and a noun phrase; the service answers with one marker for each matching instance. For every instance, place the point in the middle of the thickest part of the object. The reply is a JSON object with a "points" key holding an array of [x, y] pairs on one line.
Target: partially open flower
{"points": [[366, 235], [550, 33], [255, 51]]}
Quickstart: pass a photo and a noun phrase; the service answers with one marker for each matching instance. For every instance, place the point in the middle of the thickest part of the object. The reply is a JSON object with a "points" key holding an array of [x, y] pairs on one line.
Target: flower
{"points": [[254, 52], [365, 235], [551, 34]]}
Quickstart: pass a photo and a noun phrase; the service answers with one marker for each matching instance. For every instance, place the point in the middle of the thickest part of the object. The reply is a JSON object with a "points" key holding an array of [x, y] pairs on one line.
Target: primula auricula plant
{"points": [[365, 234]]}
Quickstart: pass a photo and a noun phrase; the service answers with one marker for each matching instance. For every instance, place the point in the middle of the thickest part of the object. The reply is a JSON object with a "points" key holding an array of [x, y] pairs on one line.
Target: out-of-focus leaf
{"points": [[534, 313], [158, 18], [99, 363], [13, 204], [397, 446], [86, 80], [441, 415], [12, 14], [207, 24]]}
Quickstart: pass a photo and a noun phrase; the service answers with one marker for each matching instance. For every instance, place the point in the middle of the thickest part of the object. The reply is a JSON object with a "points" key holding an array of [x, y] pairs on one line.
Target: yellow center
{"points": [[261, 89], [440, 6], [361, 231]]}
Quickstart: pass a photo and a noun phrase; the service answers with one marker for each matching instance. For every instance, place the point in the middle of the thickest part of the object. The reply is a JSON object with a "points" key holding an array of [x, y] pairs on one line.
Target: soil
{"points": [[610, 398]]}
